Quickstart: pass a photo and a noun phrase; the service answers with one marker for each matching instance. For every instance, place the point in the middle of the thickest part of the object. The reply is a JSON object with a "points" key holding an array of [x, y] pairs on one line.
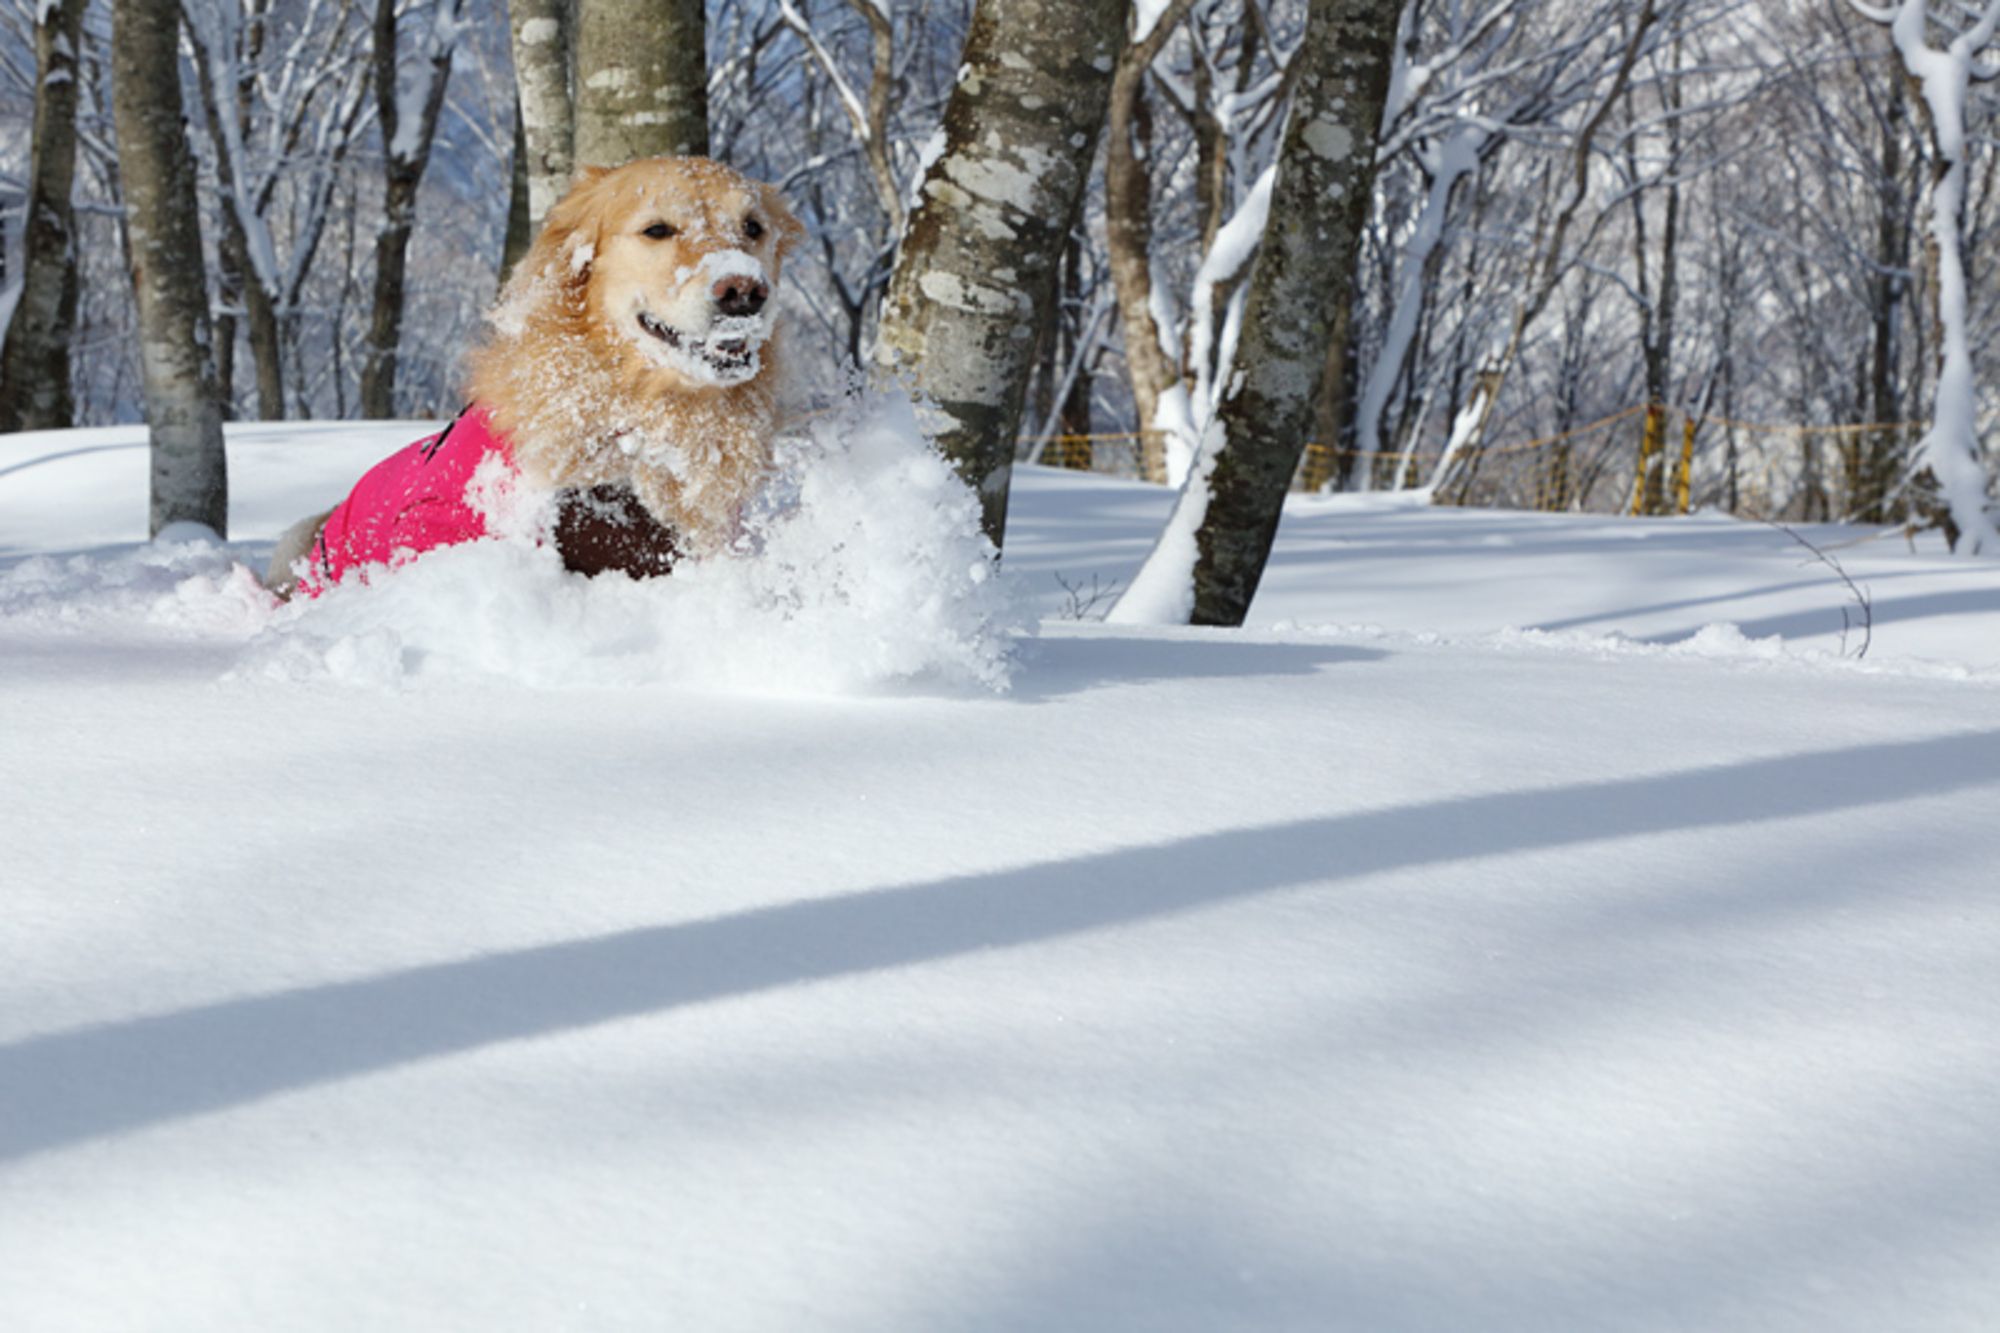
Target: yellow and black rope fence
{"points": [[1646, 459]]}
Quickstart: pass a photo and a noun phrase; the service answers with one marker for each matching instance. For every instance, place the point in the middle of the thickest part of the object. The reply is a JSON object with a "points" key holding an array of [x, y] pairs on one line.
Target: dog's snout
{"points": [[738, 295]]}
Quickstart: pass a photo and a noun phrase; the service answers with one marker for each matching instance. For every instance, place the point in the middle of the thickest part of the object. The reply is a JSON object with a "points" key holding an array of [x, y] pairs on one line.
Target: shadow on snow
{"points": [[71, 1087]]}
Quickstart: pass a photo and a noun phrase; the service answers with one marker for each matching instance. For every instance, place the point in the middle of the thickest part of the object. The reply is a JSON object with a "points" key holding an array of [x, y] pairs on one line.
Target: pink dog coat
{"points": [[411, 502], [417, 500]]}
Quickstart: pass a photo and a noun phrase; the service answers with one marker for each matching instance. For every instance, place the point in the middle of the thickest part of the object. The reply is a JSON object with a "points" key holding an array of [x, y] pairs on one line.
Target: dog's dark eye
{"points": [[659, 231], [753, 228]]}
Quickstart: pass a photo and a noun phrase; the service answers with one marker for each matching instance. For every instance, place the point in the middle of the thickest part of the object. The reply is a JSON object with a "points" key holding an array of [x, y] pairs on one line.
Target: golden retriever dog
{"points": [[631, 373]]}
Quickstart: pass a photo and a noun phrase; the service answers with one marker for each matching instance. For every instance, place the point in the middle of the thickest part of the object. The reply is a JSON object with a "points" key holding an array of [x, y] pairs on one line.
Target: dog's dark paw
{"points": [[600, 528]]}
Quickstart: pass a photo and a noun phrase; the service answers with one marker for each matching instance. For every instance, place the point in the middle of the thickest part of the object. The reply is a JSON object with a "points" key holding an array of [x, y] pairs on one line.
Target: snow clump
{"points": [[181, 585]]}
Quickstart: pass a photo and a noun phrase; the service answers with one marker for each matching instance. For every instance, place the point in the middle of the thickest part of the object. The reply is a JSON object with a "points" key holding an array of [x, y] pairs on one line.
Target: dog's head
{"points": [[675, 259]]}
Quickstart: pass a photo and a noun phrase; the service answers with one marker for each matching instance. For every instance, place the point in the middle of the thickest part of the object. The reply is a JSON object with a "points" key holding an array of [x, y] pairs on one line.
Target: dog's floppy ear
{"points": [[570, 233], [791, 232]]}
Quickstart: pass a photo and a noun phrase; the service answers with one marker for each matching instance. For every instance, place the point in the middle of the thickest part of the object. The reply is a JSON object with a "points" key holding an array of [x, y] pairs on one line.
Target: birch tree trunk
{"points": [[543, 40], [409, 97], [1319, 205], [977, 272], [641, 80], [183, 412], [34, 364]]}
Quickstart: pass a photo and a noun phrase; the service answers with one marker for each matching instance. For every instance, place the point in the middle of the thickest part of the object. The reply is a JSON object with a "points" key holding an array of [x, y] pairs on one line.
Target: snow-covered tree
{"points": [[1834, 255], [1315, 201], [1550, 256], [1943, 74], [862, 87], [284, 97], [1129, 221], [1469, 81], [1197, 111]]}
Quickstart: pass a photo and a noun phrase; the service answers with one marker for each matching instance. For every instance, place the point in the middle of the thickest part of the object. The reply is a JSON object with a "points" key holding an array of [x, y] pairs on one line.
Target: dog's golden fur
{"points": [[615, 360]]}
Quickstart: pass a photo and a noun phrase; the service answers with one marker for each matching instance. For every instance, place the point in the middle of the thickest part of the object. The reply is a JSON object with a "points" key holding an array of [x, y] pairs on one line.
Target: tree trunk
{"points": [[543, 41], [243, 278], [1951, 448], [1333, 418], [977, 273], [521, 223], [34, 365], [1656, 310], [1881, 458], [183, 414], [1128, 232], [1457, 158], [408, 128], [1319, 205], [641, 80]]}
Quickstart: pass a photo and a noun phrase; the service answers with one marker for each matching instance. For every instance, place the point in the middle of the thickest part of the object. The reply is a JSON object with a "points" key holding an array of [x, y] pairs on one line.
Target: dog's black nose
{"points": [[738, 296]]}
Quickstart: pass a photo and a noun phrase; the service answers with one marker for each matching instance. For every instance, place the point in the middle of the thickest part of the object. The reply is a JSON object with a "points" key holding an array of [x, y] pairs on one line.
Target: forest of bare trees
{"points": [[1633, 255]]}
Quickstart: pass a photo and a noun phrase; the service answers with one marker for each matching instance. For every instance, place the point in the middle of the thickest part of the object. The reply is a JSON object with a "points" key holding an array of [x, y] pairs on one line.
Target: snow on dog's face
{"points": [[679, 258], [632, 346]]}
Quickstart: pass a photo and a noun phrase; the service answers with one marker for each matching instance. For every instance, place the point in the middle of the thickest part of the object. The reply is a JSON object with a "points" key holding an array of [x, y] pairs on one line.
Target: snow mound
{"points": [[184, 588], [864, 566]]}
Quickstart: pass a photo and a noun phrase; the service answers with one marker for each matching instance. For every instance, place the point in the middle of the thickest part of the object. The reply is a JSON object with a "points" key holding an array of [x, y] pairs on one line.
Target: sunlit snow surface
{"points": [[1531, 922]]}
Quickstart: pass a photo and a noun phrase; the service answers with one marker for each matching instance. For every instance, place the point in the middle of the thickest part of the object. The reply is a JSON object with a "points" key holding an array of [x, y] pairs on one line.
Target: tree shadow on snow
{"points": [[71, 1087]]}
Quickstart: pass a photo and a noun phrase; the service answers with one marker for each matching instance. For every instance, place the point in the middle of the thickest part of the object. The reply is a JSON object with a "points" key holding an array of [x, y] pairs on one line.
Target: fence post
{"points": [[1649, 450], [1684, 483]]}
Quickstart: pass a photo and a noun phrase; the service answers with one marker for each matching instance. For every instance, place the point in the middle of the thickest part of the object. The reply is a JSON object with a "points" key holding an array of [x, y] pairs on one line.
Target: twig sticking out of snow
{"points": [[1083, 601], [1859, 593]]}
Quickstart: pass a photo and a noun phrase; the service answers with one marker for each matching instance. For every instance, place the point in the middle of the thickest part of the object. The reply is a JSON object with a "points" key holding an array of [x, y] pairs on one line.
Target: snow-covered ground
{"points": [[1530, 922]]}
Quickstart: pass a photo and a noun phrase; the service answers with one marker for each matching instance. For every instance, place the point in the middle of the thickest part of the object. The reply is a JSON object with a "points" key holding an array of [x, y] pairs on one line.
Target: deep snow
{"points": [[1529, 922]]}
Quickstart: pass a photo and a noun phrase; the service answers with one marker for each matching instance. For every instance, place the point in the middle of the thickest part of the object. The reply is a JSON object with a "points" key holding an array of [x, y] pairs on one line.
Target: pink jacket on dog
{"points": [[411, 502], [433, 494]]}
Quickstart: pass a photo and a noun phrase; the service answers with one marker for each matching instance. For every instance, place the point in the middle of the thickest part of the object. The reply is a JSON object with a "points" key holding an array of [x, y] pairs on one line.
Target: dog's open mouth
{"points": [[732, 353]]}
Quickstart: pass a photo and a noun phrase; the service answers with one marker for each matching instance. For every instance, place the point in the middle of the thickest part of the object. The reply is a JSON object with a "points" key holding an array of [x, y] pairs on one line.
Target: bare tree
{"points": [[977, 271], [1550, 256], [226, 41], [1876, 457], [1943, 75], [1468, 82], [870, 114], [863, 87], [410, 81], [1128, 226], [1319, 198], [285, 93], [1187, 180], [183, 411], [35, 363]]}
